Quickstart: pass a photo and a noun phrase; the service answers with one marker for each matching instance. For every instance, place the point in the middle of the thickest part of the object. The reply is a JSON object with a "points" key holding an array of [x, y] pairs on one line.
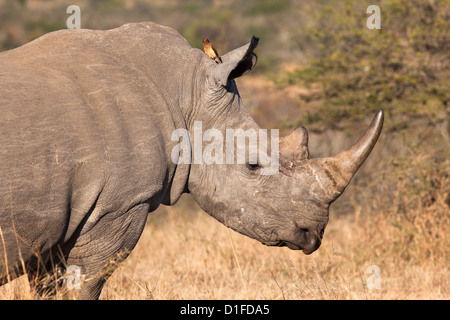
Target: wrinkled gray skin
{"points": [[86, 119]]}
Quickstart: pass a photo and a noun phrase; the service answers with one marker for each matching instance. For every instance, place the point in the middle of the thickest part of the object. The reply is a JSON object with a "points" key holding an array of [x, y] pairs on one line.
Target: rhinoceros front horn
{"points": [[335, 173]]}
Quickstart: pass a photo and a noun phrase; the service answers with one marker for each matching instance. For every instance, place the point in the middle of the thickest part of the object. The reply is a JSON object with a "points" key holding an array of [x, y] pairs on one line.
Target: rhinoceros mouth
{"points": [[291, 245], [283, 243]]}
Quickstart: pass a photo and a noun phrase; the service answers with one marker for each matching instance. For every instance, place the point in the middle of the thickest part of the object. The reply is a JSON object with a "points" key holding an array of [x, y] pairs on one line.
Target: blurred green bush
{"points": [[402, 68]]}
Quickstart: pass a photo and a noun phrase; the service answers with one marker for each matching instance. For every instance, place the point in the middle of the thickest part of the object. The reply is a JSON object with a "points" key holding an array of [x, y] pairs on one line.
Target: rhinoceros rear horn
{"points": [[236, 63], [294, 146], [341, 168]]}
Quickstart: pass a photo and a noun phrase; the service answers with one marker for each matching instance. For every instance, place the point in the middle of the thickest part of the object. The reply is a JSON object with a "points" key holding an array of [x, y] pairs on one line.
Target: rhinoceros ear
{"points": [[236, 63]]}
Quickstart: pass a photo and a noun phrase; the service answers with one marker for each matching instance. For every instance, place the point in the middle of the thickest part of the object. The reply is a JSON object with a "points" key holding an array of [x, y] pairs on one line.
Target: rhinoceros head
{"points": [[288, 206]]}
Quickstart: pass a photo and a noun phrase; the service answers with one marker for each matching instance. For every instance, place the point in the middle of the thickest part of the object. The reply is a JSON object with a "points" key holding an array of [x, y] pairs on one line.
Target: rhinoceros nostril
{"points": [[308, 240], [321, 233]]}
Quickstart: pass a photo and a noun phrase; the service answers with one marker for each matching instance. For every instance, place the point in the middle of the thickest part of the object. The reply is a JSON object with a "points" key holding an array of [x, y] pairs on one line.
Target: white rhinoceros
{"points": [[86, 132]]}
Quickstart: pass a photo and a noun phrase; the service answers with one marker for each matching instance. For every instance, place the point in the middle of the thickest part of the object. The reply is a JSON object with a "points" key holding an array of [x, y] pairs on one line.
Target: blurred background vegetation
{"points": [[319, 66]]}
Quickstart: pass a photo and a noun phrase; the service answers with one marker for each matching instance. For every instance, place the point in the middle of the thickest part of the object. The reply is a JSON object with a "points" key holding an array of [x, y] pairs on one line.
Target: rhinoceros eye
{"points": [[253, 166]]}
